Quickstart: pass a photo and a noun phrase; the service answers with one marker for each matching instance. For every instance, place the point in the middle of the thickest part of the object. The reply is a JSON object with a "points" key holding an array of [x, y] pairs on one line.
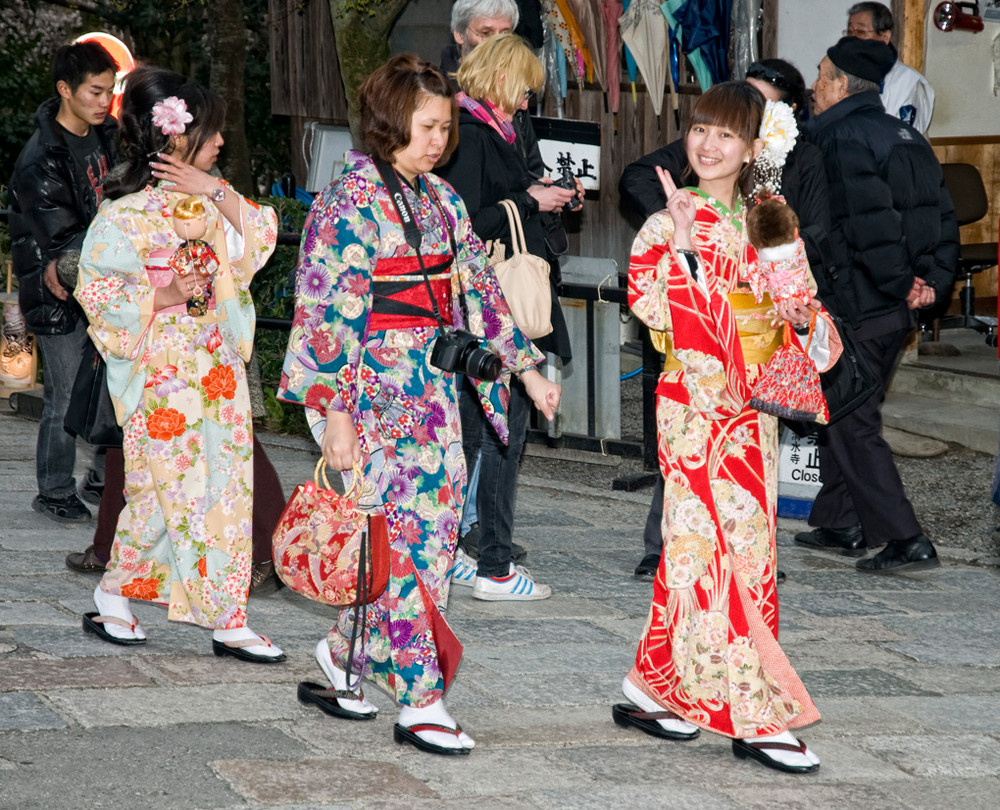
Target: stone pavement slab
{"points": [[904, 670]]}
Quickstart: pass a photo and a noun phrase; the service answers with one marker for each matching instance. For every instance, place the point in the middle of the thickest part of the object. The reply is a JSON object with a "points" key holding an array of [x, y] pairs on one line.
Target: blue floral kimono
{"points": [[361, 344]]}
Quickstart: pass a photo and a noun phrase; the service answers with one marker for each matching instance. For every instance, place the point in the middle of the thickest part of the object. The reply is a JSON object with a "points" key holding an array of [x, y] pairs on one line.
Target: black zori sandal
{"points": [[628, 714], [744, 749], [235, 649], [329, 699], [404, 734], [94, 623]]}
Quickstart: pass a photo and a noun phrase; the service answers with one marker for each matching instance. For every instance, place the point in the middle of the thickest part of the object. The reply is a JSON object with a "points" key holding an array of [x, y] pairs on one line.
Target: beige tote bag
{"points": [[524, 279]]}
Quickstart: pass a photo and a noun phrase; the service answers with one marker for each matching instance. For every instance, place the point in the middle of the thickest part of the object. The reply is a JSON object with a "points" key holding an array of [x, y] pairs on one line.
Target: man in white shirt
{"points": [[905, 93]]}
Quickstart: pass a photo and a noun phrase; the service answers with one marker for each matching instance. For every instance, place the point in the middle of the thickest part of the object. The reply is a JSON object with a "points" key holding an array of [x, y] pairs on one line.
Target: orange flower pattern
{"points": [[165, 423], [147, 589], [220, 382], [179, 386]]}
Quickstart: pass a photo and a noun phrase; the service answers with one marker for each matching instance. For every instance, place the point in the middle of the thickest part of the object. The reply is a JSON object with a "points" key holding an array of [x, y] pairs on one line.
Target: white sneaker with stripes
{"points": [[518, 586], [464, 572]]}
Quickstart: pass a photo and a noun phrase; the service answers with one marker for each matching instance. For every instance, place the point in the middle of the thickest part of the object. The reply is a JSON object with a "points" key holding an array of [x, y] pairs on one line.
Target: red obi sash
{"points": [[399, 294]]}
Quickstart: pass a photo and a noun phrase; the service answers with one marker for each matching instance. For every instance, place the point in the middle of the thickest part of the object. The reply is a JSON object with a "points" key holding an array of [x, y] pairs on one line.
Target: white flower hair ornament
{"points": [[170, 116], [778, 130]]}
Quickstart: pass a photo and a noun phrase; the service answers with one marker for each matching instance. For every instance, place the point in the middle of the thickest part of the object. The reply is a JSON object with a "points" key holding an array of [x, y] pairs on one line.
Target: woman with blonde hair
{"points": [[489, 166]]}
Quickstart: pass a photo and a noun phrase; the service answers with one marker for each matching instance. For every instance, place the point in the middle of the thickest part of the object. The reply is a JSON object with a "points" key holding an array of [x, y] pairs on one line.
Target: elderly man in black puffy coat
{"points": [[894, 244]]}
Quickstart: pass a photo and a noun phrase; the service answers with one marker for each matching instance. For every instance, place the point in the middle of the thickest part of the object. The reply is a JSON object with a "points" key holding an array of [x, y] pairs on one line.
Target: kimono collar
{"points": [[736, 214], [489, 114]]}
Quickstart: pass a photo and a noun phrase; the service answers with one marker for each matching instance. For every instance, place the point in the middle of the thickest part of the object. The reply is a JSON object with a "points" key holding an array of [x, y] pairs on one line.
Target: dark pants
{"points": [[860, 480], [498, 471], [268, 503], [55, 451], [652, 535]]}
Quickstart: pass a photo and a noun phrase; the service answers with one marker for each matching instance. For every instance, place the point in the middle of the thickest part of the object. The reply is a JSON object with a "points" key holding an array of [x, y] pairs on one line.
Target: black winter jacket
{"points": [[803, 185], [51, 206], [893, 218], [484, 170]]}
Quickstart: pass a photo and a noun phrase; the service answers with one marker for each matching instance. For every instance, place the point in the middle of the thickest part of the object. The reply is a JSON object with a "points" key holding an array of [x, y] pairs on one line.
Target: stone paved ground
{"points": [[905, 670]]}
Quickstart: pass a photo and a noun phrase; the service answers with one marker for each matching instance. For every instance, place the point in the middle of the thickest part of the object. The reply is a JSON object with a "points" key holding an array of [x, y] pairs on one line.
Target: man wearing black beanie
{"points": [[894, 243]]}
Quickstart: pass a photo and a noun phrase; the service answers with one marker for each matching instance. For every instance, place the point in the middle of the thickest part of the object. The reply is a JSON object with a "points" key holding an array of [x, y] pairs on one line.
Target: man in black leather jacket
{"points": [[894, 245], [54, 194]]}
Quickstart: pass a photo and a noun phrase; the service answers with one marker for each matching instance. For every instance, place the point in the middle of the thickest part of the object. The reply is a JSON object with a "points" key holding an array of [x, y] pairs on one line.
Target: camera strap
{"points": [[413, 236]]}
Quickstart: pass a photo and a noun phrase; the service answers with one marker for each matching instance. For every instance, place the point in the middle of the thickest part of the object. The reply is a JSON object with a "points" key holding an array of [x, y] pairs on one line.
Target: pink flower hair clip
{"points": [[171, 116]]}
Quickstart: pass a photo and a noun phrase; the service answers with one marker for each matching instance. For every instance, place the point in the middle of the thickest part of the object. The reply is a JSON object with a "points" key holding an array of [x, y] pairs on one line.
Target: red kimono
{"points": [[709, 651]]}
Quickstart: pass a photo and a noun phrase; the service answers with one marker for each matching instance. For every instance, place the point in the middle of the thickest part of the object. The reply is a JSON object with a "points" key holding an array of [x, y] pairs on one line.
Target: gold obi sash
{"points": [[758, 338]]}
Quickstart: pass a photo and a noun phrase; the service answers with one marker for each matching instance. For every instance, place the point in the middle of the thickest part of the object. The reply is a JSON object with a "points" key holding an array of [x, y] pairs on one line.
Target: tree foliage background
{"points": [[177, 34]]}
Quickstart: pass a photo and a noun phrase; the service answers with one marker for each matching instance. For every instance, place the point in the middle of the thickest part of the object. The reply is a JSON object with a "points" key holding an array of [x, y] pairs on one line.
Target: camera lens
{"points": [[482, 364]]}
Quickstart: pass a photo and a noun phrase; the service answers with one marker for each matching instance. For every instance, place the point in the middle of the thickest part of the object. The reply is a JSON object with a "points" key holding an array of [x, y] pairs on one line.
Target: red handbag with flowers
{"points": [[789, 386], [329, 549]]}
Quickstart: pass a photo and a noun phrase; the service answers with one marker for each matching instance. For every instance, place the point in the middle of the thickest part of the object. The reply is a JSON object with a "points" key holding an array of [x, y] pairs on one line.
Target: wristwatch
{"points": [[218, 193]]}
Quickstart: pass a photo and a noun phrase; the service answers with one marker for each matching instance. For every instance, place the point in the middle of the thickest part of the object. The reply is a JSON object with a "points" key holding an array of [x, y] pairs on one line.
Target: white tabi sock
{"points": [[112, 605], [338, 680], [438, 714], [647, 704], [245, 633]]}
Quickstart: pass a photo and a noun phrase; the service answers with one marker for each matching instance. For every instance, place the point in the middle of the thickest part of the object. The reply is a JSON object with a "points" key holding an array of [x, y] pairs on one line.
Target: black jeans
{"points": [[498, 471]]}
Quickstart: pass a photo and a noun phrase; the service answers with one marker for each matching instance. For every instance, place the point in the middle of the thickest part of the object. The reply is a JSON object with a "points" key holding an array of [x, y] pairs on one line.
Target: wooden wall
{"points": [[305, 77], [985, 155], [305, 85]]}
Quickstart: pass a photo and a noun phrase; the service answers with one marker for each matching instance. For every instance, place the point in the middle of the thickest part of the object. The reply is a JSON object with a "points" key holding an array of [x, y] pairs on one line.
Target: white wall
{"points": [[806, 28], [958, 64]]}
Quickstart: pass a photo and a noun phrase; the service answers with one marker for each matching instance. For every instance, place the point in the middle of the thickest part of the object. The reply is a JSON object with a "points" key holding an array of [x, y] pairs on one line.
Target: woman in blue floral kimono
{"points": [[359, 360], [164, 279]]}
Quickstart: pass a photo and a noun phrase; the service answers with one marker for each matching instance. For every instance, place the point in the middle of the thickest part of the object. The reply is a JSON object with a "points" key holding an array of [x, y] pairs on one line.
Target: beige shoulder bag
{"points": [[524, 279]]}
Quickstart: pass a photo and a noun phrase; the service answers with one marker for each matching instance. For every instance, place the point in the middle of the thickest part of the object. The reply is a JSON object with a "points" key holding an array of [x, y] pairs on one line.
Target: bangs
{"points": [[736, 106]]}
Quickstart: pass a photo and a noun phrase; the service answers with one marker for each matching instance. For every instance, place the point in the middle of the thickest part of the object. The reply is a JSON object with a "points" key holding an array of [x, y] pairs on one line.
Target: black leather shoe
{"points": [[85, 562], [646, 570], [779, 577], [849, 542], [915, 554]]}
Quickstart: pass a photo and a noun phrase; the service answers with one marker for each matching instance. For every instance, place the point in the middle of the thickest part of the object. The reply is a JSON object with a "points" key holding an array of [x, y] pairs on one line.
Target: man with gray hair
{"points": [[472, 21], [894, 243], [905, 93]]}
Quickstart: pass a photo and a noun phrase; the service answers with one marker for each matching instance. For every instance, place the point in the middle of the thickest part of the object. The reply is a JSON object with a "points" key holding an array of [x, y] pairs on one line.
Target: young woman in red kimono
{"points": [[709, 656]]}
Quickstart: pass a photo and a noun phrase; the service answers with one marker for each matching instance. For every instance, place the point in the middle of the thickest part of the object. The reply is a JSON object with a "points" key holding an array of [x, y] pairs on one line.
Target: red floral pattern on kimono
{"points": [[709, 651]]}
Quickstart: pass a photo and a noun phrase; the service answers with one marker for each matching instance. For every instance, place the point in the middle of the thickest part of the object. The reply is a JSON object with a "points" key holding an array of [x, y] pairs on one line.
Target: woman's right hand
{"points": [[180, 290], [341, 448], [681, 206], [550, 196]]}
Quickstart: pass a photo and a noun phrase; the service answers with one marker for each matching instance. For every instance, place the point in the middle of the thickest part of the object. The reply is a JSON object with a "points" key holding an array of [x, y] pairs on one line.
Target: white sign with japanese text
{"points": [[570, 148]]}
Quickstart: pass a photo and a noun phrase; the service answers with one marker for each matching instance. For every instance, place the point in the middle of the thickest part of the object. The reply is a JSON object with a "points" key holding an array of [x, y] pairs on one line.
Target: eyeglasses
{"points": [[857, 32], [528, 93], [485, 33]]}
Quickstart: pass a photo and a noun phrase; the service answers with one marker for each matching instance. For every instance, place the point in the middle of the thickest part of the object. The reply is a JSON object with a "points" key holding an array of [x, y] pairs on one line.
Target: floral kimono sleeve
{"points": [[489, 314], [700, 324], [242, 256], [647, 294], [333, 298], [115, 293]]}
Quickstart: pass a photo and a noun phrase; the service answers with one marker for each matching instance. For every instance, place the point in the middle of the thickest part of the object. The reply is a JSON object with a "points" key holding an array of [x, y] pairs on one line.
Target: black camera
{"points": [[460, 352], [568, 182]]}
